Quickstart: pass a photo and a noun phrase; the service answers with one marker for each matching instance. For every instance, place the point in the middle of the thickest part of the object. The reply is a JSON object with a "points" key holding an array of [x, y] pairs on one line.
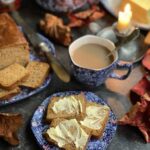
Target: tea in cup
{"points": [[90, 64]]}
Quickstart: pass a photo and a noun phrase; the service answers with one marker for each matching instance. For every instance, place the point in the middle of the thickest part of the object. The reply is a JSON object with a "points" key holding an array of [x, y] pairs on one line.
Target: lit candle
{"points": [[124, 19]]}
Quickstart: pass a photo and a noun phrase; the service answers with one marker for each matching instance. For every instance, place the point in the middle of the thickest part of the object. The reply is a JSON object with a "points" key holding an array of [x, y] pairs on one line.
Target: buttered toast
{"points": [[96, 118], [67, 134], [72, 106]]}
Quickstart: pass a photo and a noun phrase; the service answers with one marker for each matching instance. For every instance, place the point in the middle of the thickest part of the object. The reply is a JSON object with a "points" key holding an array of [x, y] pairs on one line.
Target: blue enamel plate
{"points": [[38, 124], [26, 92]]}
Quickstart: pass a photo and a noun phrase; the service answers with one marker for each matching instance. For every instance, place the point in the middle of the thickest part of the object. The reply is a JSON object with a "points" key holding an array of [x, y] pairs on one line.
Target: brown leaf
{"points": [[82, 18], [84, 14], [141, 89], [139, 116], [96, 15], [146, 60], [75, 22], [9, 125], [55, 29]]}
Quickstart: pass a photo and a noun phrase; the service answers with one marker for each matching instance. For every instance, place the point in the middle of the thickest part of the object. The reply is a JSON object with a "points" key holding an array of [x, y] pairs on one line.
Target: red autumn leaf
{"points": [[74, 22], [84, 14], [146, 60], [96, 15], [142, 87], [82, 18], [139, 116], [9, 125]]}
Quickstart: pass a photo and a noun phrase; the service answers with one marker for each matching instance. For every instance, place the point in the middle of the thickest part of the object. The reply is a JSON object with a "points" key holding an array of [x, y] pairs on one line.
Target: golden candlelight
{"points": [[124, 18]]}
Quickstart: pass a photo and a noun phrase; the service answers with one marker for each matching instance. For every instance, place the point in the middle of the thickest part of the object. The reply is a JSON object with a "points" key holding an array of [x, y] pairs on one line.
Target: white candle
{"points": [[124, 18]]}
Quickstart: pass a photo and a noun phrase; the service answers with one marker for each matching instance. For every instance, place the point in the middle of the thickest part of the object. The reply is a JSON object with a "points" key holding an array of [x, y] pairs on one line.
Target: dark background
{"points": [[114, 92]]}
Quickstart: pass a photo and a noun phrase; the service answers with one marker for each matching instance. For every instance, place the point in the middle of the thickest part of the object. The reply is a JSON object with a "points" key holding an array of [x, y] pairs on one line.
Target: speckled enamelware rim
{"points": [[26, 92], [92, 39], [39, 126]]}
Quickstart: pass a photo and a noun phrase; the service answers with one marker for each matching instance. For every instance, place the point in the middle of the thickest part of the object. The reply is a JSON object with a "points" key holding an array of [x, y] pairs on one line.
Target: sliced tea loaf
{"points": [[13, 46], [12, 75], [38, 71], [96, 118], [10, 35], [72, 106], [6, 94], [67, 134]]}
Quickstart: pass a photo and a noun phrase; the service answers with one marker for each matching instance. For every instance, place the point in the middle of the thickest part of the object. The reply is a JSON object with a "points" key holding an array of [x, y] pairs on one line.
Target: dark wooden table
{"points": [[114, 92]]}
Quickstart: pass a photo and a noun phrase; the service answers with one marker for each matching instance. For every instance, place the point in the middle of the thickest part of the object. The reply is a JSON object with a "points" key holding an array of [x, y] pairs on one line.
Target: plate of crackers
{"points": [[73, 120], [23, 72]]}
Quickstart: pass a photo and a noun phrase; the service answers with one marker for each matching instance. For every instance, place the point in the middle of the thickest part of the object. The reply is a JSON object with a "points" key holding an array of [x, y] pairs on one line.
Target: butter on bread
{"points": [[38, 71], [67, 134], [6, 94], [72, 106], [140, 10], [12, 75], [96, 118]]}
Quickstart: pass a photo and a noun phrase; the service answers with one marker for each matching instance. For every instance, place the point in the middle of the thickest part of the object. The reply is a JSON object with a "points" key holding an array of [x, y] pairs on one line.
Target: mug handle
{"points": [[122, 66]]}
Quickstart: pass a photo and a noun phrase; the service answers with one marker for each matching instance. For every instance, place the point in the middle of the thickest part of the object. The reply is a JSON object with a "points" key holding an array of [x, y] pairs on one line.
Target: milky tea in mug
{"points": [[90, 64], [92, 56]]}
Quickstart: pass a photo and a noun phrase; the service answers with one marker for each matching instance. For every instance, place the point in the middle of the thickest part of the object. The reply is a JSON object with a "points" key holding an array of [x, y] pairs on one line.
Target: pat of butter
{"points": [[68, 104], [95, 116], [69, 131], [140, 10]]}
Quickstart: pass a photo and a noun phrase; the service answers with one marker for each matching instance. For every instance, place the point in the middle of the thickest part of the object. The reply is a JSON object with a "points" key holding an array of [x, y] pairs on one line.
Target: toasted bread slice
{"points": [[7, 94], [12, 55], [96, 118], [67, 134], [72, 106], [13, 74], [38, 71]]}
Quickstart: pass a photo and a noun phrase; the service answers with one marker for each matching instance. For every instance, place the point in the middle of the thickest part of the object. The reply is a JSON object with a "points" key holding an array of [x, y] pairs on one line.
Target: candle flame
{"points": [[124, 19], [127, 7]]}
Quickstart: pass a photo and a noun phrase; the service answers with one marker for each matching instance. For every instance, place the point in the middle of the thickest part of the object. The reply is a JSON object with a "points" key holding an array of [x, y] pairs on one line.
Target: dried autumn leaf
{"points": [[9, 126], [75, 22], [84, 14], [146, 60], [82, 18], [141, 89], [55, 29], [96, 15], [139, 116]]}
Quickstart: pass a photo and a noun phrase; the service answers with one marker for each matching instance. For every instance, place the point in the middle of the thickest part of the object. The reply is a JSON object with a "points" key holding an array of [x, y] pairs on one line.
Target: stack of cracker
{"points": [[73, 121], [16, 70]]}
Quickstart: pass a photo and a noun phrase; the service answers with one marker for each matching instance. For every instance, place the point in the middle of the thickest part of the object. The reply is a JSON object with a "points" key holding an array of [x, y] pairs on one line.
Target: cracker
{"points": [[38, 71], [13, 74]]}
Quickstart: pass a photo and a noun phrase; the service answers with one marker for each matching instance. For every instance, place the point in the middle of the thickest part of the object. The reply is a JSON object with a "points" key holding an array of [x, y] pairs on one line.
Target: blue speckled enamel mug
{"points": [[95, 77]]}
